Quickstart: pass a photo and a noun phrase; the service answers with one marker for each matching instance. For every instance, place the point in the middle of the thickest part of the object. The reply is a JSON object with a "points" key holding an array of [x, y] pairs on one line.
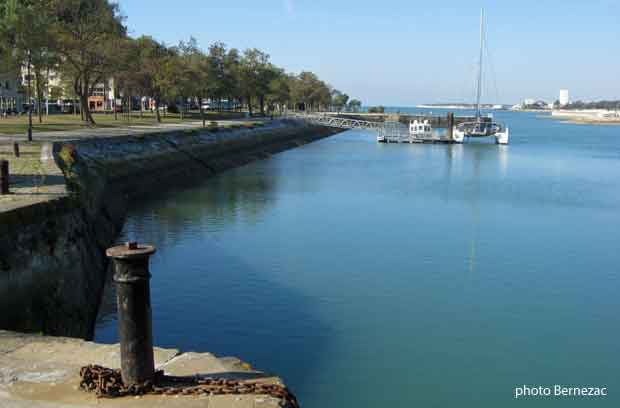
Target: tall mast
{"points": [[480, 64]]}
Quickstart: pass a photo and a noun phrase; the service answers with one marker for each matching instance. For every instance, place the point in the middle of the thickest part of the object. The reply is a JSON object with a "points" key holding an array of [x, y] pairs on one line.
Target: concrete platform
{"points": [[43, 372]]}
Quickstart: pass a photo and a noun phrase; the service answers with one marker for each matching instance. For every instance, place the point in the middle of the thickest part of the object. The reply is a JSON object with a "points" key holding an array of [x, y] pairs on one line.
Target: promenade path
{"points": [[88, 133], [33, 180]]}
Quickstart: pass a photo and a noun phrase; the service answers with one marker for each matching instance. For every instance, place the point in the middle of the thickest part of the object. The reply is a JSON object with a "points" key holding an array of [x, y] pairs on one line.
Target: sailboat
{"points": [[483, 126]]}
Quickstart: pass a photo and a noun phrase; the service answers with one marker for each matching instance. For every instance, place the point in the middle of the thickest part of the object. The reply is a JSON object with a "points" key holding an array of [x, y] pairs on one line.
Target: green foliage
{"points": [[376, 109], [339, 100], [354, 105], [308, 90], [88, 36], [87, 42], [608, 105]]}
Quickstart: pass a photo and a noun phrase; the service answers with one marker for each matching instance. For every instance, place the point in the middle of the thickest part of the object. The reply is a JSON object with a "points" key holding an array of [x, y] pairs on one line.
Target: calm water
{"points": [[371, 275]]}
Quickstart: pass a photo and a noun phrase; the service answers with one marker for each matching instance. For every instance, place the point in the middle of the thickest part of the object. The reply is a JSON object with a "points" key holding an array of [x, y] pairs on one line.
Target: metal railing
{"points": [[337, 122]]}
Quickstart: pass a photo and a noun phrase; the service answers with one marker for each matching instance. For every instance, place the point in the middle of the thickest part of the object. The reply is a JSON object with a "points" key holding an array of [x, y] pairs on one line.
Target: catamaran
{"points": [[483, 126]]}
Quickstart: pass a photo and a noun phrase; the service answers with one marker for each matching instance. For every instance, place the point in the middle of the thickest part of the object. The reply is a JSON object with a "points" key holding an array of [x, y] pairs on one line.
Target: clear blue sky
{"points": [[402, 52]]}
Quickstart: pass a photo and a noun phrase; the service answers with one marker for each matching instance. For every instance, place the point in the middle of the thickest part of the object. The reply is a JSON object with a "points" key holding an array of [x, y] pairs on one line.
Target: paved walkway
{"points": [[31, 180], [80, 134], [43, 372]]}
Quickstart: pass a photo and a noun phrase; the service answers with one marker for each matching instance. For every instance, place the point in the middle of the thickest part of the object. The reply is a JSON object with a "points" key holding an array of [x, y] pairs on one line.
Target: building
{"points": [[11, 97], [104, 98], [564, 98], [97, 99], [53, 91]]}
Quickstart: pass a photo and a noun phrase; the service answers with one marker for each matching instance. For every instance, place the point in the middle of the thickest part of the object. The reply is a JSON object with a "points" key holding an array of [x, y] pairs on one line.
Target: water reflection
{"points": [[165, 218], [212, 204]]}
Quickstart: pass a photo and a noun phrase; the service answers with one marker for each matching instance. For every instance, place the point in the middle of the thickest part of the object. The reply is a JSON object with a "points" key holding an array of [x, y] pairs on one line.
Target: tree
{"points": [[279, 91], [171, 79], [34, 22], [339, 100], [87, 40], [218, 80], [256, 74], [87, 35], [232, 76], [127, 73], [267, 74], [55, 93], [376, 109], [355, 105], [8, 17], [193, 77], [26, 26], [147, 72], [310, 92]]}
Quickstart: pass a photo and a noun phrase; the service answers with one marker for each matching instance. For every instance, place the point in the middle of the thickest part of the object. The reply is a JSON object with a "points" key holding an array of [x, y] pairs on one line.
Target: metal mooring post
{"points": [[131, 274], [4, 177]]}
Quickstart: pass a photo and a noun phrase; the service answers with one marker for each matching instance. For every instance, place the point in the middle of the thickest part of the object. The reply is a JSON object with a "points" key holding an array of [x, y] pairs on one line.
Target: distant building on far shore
{"points": [[564, 98], [531, 104]]}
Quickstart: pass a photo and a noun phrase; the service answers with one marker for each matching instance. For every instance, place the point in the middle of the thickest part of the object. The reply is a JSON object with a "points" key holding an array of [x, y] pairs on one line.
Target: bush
{"points": [[376, 109]]}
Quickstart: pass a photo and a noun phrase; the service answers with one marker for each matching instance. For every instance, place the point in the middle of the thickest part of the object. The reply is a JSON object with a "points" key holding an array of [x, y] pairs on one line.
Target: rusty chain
{"points": [[107, 383]]}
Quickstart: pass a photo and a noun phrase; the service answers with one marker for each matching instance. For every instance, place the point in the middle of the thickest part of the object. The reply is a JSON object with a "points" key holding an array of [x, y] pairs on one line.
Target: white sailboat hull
{"points": [[503, 138], [457, 135]]}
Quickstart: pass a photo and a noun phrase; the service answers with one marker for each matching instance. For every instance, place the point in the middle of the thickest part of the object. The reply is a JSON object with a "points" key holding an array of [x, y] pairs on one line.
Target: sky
{"points": [[405, 52]]}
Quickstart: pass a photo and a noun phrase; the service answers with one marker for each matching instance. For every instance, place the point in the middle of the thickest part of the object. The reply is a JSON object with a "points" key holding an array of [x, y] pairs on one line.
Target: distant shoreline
{"points": [[587, 117], [461, 107], [582, 121]]}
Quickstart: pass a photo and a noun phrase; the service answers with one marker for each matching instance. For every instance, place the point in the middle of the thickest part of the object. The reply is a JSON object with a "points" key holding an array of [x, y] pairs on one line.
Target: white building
{"points": [[11, 98], [564, 98]]}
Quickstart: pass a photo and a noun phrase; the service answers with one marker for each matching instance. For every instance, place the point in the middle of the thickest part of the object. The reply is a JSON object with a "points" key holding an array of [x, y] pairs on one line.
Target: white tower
{"points": [[564, 99]]}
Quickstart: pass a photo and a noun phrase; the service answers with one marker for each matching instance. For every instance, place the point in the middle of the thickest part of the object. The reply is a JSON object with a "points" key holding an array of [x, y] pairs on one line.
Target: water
{"points": [[372, 275]]}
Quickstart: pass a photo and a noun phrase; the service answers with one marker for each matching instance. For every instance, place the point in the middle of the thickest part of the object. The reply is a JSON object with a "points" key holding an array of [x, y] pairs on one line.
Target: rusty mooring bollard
{"points": [[16, 149], [4, 177], [131, 274]]}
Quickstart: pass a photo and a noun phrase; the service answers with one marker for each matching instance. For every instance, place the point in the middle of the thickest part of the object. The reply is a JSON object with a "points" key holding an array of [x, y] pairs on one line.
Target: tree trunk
{"points": [[114, 101], [250, 105], [261, 101], [202, 113], [88, 116], [157, 110], [39, 90], [83, 93]]}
